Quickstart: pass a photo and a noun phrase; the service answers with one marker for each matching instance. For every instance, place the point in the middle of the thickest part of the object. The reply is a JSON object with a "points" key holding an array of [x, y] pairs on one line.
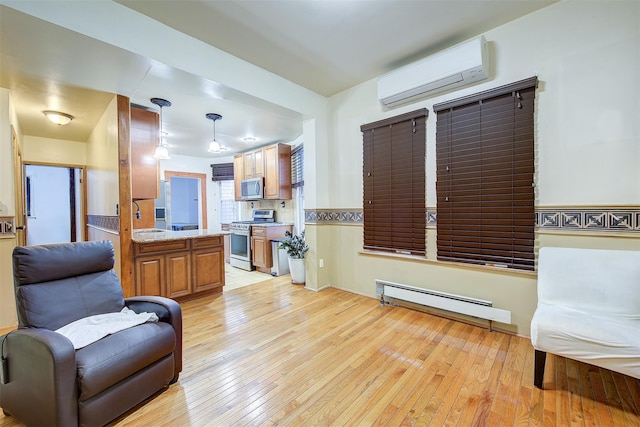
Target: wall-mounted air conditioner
{"points": [[457, 66]]}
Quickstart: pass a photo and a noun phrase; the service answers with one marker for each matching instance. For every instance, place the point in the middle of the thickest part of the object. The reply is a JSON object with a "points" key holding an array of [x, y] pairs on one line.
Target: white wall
{"points": [[102, 164], [54, 151], [586, 56]]}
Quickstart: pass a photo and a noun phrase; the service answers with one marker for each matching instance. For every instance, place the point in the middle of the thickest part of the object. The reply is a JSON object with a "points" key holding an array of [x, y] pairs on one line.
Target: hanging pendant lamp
{"points": [[162, 153], [215, 146]]}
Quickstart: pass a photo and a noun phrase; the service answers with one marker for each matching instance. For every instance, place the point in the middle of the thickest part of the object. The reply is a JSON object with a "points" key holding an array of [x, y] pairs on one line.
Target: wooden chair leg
{"points": [[540, 359]]}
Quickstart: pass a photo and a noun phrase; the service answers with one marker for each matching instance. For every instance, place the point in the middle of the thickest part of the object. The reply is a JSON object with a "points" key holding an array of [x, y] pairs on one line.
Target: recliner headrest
{"points": [[36, 264]]}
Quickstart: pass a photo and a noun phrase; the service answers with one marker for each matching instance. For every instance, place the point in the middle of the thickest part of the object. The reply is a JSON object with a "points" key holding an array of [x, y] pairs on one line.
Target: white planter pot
{"points": [[296, 268]]}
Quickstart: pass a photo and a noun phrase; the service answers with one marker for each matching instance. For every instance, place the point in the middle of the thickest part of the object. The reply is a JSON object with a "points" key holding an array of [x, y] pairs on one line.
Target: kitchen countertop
{"points": [[149, 235], [272, 224]]}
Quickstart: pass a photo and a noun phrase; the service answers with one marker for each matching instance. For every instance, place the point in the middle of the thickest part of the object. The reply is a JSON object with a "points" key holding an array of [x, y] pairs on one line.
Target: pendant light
{"points": [[215, 146], [162, 153]]}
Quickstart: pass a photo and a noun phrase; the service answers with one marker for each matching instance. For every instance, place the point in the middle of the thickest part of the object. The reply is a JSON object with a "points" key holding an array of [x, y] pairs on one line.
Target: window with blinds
{"points": [[485, 173], [222, 172], [297, 166], [394, 183]]}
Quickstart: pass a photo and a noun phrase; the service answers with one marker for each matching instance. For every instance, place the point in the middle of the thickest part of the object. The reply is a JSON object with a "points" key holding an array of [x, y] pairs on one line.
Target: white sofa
{"points": [[588, 308]]}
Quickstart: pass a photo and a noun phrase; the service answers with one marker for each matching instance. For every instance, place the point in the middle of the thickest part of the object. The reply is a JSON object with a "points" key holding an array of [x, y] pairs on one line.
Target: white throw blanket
{"points": [[90, 329]]}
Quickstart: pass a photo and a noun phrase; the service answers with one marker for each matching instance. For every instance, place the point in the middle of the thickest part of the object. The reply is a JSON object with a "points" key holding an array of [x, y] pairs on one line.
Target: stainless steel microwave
{"points": [[252, 189]]}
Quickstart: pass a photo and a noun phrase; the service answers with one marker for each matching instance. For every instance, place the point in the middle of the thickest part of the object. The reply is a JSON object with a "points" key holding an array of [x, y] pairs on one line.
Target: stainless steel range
{"points": [[240, 247]]}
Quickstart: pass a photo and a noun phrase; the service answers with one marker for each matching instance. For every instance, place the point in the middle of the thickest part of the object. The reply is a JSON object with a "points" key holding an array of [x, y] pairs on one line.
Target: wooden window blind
{"points": [[222, 172], [394, 183], [485, 172], [297, 166]]}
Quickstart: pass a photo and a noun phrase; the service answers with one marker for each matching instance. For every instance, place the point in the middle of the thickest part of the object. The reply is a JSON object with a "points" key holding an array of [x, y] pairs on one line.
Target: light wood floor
{"points": [[274, 353]]}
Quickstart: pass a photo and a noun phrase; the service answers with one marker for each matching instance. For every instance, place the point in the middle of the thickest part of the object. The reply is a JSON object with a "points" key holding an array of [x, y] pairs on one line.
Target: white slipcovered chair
{"points": [[588, 308]]}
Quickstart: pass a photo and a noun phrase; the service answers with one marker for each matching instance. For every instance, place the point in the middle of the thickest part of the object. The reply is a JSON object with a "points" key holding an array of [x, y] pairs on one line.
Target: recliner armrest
{"points": [[168, 311], [41, 387]]}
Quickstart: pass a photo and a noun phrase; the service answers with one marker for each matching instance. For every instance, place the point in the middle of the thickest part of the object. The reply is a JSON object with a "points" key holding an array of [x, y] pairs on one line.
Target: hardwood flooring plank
{"points": [[488, 379], [470, 396], [550, 398], [587, 396], [605, 416]]}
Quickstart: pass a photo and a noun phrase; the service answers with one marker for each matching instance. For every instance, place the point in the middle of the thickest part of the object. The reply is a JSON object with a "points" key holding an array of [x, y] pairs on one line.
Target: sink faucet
{"points": [[138, 215]]}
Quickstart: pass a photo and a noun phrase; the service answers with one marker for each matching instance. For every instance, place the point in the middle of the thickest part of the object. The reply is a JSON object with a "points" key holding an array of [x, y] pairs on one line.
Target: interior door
{"points": [[53, 204]]}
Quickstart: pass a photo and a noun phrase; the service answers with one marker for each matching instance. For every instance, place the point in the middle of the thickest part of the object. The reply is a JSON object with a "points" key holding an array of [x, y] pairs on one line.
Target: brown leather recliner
{"points": [[49, 382]]}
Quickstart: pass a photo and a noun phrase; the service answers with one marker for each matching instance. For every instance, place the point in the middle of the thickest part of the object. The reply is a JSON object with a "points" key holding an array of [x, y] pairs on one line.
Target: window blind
{"points": [[394, 183], [297, 166], [222, 172], [485, 172]]}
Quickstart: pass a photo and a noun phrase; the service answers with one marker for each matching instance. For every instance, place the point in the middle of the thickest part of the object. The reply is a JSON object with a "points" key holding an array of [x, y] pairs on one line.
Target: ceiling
{"points": [[325, 46]]}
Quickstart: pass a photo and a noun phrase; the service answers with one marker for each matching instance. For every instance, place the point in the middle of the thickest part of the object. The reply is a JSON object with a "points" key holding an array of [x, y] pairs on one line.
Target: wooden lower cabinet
{"points": [[178, 274], [179, 268], [150, 275], [261, 237], [260, 251], [208, 269]]}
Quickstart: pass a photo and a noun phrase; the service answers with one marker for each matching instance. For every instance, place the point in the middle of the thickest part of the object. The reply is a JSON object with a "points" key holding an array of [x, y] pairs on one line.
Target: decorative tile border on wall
{"points": [[103, 221], [603, 219], [569, 219], [333, 216], [432, 217], [6, 226]]}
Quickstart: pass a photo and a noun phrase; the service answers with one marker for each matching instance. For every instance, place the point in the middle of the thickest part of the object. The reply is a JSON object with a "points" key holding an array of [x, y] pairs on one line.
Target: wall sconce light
{"points": [[162, 153], [58, 118], [215, 146]]}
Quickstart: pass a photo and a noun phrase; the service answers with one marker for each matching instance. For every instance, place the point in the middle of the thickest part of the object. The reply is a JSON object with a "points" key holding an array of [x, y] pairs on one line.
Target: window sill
{"points": [[449, 264]]}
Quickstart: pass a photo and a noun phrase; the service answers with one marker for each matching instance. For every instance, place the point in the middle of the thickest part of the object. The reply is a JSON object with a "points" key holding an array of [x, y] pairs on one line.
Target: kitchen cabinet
{"points": [[261, 237], [273, 163], [277, 180], [149, 275], [253, 163], [227, 244], [145, 135], [238, 175], [207, 260], [179, 268], [178, 274]]}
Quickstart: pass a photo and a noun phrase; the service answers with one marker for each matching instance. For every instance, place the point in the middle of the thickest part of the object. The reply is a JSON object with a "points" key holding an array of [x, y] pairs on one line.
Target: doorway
{"points": [[187, 200], [53, 204]]}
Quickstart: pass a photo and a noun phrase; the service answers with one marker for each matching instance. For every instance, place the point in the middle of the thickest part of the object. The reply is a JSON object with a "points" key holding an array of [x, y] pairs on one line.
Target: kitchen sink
{"points": [[149, 230]]}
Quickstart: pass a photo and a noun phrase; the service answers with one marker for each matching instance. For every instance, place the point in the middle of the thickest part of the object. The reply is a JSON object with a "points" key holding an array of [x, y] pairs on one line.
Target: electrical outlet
{"points": [[321, 263]]}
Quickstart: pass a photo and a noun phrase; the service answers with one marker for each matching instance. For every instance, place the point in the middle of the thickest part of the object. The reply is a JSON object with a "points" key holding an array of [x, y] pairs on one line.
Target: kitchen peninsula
{"points": [[178, 264]]}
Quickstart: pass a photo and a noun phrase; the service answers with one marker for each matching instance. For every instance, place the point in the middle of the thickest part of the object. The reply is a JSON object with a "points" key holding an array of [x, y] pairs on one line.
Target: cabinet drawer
{"points": [[259, 231], [203, 242], [164, 246]]}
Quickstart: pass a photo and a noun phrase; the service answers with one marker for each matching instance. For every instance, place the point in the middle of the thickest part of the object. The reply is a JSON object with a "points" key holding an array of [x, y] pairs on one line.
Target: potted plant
{"points": [[296, 248]]}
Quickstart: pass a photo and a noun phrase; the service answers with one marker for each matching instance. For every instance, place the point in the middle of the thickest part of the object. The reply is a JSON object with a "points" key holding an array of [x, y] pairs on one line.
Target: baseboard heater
{"points": [[450, 302]]}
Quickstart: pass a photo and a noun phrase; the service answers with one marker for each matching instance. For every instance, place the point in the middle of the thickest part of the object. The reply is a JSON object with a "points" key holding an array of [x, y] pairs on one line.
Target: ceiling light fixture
{"points": [[249, 139], [215, 146], [58, 118], [161, 150]]}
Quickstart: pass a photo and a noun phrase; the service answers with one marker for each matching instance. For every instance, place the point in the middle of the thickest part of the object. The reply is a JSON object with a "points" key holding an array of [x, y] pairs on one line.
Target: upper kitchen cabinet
{"points": [[238, 174], [144, 167], [253, 164], [273, 163], [277, 177]]}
